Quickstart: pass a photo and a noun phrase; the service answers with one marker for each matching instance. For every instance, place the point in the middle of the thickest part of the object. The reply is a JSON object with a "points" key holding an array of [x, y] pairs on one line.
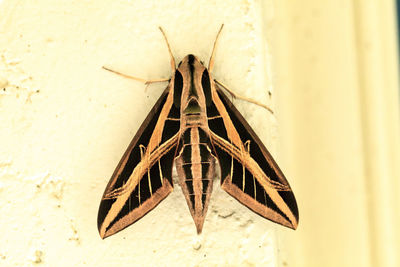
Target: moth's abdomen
{"points": [[195, 166]]}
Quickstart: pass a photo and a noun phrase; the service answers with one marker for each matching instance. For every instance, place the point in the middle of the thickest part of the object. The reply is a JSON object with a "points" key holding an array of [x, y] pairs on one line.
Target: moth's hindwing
{"points": [[143, 177], [248, 171]]}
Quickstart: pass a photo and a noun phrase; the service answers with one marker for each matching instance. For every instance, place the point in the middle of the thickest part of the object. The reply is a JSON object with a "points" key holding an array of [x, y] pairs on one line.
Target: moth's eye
{"points": [[178, 85], [206, 84]]}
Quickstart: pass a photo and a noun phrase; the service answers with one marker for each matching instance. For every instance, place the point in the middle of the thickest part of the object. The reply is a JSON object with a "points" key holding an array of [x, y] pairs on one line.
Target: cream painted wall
{"points": [[336, 66], [65, 124]]}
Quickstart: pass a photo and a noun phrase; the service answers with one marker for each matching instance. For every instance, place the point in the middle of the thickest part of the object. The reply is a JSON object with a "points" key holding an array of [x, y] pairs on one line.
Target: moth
{"points": [[194, 125]]}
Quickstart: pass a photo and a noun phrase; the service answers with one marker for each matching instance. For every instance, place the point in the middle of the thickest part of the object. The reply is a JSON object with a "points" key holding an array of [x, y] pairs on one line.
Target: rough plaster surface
{"points": [[65, 123]]}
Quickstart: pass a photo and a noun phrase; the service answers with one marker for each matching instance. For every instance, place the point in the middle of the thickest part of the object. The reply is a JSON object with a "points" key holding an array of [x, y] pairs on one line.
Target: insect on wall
{"points": [[194, 125]]}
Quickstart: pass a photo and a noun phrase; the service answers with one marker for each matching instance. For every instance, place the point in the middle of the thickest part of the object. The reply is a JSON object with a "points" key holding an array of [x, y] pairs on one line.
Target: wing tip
{"points": [[103, 232], [293, 225], [107, 229]]}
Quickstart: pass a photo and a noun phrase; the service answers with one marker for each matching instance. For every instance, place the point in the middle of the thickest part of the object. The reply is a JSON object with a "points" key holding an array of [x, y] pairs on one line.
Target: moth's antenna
{"points": [[211, 62], [173, 66]]}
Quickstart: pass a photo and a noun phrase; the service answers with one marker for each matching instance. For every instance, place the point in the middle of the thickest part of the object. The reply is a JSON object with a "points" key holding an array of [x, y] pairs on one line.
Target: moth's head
{"points": [[191, 82], [190, 60]]}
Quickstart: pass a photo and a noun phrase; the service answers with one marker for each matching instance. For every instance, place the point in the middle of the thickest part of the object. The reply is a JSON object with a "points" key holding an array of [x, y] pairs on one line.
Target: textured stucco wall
{"points": [[65, 123]]}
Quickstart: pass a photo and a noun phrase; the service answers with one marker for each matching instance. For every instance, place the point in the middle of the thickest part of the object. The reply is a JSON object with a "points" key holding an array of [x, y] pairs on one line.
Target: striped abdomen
{"points": [[195, 166]]}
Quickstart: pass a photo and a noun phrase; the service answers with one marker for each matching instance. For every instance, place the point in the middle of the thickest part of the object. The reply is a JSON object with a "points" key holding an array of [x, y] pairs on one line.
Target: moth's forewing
{"points": [[248, 171], [143, 177]]}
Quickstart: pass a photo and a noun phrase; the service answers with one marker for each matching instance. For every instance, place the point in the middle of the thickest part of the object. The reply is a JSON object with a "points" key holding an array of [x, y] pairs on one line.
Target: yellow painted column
{"points": [[337, 80]]}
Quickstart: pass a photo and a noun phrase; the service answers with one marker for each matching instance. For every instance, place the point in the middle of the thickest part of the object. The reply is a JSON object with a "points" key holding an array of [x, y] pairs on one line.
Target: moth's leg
{"points": [[211, 62], [136, 78], [234, 95], [173, 66]]}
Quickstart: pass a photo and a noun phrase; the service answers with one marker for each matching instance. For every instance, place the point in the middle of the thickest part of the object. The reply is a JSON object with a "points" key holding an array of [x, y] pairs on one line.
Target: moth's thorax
{"points": [[193, 102]]}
